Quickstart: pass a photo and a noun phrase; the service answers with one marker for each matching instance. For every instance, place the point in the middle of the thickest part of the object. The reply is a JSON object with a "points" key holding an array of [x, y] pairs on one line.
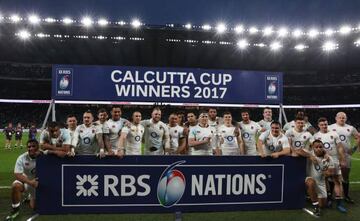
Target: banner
{"points": [[147, 184], [176, 85]]}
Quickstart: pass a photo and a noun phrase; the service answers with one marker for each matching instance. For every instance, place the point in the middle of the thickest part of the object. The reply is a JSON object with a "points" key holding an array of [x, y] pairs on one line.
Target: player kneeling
{"points": [[25, 178], [319, 167]]}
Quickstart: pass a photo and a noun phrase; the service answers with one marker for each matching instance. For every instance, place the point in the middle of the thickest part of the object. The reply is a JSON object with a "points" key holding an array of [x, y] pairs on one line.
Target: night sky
{"points": [[318, 13]]}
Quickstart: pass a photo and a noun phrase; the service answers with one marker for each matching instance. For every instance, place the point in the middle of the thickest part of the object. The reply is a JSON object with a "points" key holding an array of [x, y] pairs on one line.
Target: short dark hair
{"points": [[275, 122], [116, 106], [322, 119], [191, 112], [299, 118], [33, 141], [53, 124], [317, 141], [70, 116], [245, 110], [101, 110], [227, 113]]}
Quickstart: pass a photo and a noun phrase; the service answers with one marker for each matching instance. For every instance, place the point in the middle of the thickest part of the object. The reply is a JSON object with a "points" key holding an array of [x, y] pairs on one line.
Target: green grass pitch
{"points": [[8, 158]]}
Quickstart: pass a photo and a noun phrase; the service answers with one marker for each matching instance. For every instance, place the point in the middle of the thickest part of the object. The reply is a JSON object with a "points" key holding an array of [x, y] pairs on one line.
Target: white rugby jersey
{"points": [[84, 140], [299, 140], [176, 133], [134, 135], [330, 141], [265, 124], [249, 132], [227, 137], [64, 138], [156, 137], [201, 133], [273, 144], [26, 166], [291, 124], [316, 170], [115, 131], [103, 127], [345, 133]]}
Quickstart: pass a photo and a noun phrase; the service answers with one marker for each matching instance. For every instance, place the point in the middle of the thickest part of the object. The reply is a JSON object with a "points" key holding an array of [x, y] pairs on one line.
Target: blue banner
{"points": [[146, 184], [175, 85]]}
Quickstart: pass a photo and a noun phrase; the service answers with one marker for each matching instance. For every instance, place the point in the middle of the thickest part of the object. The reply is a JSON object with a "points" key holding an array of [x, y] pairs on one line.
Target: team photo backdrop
{"points": [[159, 84]]}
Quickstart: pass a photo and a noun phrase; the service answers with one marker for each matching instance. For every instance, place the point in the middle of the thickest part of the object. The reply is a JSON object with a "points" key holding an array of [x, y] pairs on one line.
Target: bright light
{"points": [[313, 33], [253, 30], [136, 23], [344, 30], [239, 29], [87, 21], [188, 26], [268, 31], [242, 44], [67, 21], [283, 32], [297, 33], [34, 19], [221, 28], [330, 46], [24, 34], [50, 20], [260, 45], [206, 27], [122, 23], [357, 43], [15, 18], [329, 32], [300, 47], [275, 46], [103, 22]]}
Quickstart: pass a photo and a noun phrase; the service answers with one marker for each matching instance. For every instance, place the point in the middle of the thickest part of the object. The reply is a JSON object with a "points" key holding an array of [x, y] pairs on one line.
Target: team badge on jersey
{"points": [[93, 131], [304, 137], [348, 130]]}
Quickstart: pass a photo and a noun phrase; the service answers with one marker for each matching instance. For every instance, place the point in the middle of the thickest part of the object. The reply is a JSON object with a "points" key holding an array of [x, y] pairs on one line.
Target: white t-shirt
{"points": [[291, 124], [103, 127], [63, 139], [273, 144], [85, 141], [345, 133], [199, 134], [156, 137], [115, 131], [265, 124], [299, 140], [249, 132], [176, 133], [330, 141], [134, 135], [26, 166], [316, 170]]}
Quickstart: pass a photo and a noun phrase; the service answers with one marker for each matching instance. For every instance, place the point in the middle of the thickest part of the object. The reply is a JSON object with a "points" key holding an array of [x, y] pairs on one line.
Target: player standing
{"points": [[115, 124], [32, 132], [177, 138], [266, 121], [156, 134], [55, 140], [273, 143], [9, 132], [335, 149], [18, 135], [230, 137], [345, 132], [299, 138], [249, 130], [131, 137]]}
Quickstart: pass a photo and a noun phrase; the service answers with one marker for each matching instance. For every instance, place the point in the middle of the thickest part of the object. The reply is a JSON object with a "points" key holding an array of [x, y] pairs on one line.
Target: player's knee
{"points": [[310, 182], [16, 186]]}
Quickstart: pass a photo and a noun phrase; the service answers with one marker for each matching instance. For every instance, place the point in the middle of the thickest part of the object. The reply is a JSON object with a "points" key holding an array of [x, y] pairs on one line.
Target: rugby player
{"points": [[307, 124], [32, 132], [266, 121], [177, 138], [55, 140], [249, 130], [18, 135], [9, 132], [103, 127], [231, 142], [299, 138], [115, 124]]}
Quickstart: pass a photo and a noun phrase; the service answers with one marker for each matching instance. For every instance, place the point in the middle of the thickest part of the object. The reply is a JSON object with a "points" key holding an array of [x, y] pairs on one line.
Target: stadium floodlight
{"points": [[275, 46], [330, 46], [300, 47], [239, 29], [242, 44], [253, 30], [206, 27], [329, 32], [260, 45], [221, 28], [188, 26], [67, 21], [121, 23], [283, 32], [102, 22], [34, 19], [50, 20], [15, 18], [24, 34], [297, 33], [345, 30], [313, 33], [136, 23], [87, 21], [268, 31], [357, 43]]}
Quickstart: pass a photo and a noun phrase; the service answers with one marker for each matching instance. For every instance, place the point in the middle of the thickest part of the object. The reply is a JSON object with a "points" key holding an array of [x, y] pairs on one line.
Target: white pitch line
{"points": [[353, 158]]}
